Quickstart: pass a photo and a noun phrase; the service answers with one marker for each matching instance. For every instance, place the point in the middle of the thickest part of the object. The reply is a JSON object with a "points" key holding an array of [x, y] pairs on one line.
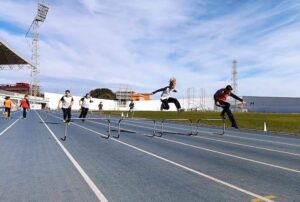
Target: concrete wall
{"points": [[272, 104]]}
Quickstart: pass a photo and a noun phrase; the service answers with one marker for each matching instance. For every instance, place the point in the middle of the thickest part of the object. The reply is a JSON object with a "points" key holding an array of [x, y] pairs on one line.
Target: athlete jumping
{"points": [[166, 96], [220, 98]]}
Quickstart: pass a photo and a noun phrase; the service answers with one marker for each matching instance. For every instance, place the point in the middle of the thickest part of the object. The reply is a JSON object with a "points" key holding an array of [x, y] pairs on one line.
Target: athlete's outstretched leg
{"points": [[64, 113], [164, 104], [175, 101], [81, 112], [85, 112], [68, 115], [231, 118]]}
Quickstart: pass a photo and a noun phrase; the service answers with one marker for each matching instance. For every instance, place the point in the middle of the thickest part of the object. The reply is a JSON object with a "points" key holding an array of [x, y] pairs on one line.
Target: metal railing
{"points": [[130, 119], [192, 130], [223, 127], [68, 124]]}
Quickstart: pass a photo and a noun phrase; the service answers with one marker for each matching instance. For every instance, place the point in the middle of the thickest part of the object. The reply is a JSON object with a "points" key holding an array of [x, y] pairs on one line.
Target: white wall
{"points": [[148, 105], [272, 104], [54, 99]]}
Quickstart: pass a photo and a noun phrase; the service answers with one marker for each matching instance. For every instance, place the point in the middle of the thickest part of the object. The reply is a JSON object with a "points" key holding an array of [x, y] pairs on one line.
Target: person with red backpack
{"points": [[25, 105], [220, 98]]}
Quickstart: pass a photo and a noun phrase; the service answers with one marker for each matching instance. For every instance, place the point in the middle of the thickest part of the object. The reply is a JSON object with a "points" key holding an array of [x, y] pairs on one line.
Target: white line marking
{"points": [[222, 153], [231, 155], [9, 126], [226, 154], [88, 129], [227, 135], [191, 170], [245, 145], [86, 178], [270, 141]]}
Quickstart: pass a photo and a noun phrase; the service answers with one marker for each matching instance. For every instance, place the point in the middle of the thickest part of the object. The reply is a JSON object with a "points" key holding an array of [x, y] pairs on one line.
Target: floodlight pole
{"points": [[42, 10], [35, 58]]}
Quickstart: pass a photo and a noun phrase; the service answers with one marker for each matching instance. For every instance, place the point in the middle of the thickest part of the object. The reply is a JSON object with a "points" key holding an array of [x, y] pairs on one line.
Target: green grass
{"points": [[284, 123]]}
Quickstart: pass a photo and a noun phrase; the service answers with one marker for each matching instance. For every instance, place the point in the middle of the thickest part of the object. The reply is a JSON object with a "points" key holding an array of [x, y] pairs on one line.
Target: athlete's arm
{"points": [[236, 97], [161, 89], [81, 102], [72, 102], [59, 102]]}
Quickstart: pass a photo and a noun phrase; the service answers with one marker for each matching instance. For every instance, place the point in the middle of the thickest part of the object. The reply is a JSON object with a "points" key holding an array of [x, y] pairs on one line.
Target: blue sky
{"points": [[87, 44]]}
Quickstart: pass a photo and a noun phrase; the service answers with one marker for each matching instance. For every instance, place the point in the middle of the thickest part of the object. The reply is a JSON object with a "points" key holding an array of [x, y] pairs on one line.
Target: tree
{"points": [[103, 93]]}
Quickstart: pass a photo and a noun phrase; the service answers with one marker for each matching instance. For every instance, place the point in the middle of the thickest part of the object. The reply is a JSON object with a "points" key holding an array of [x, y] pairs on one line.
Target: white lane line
{"points": [[250, 146], [234, 143], [221, 153], [9, 126], [231, 155], [85, 176], [192, 170], [227, 135], [269, 141]]}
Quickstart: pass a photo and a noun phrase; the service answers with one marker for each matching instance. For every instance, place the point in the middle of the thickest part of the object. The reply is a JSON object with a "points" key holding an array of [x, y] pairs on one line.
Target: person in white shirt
{"points": [[85, 105], [65, 103], [166, 96]]}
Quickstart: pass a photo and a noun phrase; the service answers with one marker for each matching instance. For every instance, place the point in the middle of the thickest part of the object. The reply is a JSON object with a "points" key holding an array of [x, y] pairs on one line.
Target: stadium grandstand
{"points": [[10, 59]]}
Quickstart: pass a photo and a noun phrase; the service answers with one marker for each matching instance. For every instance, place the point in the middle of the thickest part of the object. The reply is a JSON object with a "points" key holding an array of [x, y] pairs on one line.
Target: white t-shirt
{"points": [[166, 93], [66, 101], [86, 102]]}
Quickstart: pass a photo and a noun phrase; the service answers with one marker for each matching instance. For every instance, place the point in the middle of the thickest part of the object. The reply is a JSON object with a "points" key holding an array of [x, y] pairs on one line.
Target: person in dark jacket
{"points": [[166, 96], [25, 105], [220, 98], [131, 106]]}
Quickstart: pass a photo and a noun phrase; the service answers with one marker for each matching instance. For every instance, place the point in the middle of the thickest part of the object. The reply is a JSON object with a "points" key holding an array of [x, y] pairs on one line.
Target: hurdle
{"points": [[192, 131], [223, 127], [67, 125], [131, 119]]}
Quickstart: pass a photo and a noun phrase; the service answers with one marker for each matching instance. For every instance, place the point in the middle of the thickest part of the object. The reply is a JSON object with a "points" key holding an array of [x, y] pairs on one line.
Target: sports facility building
{"points": [[272, 104]]}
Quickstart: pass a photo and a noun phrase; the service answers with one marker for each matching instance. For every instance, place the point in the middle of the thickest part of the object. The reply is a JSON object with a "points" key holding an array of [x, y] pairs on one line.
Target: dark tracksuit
{"points": [[131, 106], [165, 101], [221, 96]]}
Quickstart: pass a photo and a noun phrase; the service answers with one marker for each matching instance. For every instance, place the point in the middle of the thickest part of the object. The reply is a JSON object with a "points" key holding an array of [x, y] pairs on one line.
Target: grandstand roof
{"points": [[10, 59]]}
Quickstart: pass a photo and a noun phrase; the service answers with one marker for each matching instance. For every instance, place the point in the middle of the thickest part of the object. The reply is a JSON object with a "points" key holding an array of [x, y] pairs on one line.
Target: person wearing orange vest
{"points": [[8, 104], [25, 105], [220, 98]]}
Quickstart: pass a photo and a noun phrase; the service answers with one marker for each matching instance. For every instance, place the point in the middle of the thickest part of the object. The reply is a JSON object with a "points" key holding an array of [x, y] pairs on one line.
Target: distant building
{"points": [[131, 95], [140, 96], [35, 102], [272, 104], [22, 88]]}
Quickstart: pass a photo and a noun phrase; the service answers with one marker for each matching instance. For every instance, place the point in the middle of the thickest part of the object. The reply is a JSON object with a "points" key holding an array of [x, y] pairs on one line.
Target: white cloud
{"points": [[144, 43]]}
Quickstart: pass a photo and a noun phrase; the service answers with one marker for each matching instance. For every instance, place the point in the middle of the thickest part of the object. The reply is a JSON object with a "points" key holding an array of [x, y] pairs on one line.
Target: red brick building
{"points": [[23, 88]]}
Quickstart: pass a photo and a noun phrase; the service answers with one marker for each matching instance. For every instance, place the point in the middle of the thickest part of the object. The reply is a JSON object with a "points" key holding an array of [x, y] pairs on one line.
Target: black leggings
{"points": [[7, 110], [24, 112], [84, 112], [226, 109], [67, 114], [165, 103]]}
